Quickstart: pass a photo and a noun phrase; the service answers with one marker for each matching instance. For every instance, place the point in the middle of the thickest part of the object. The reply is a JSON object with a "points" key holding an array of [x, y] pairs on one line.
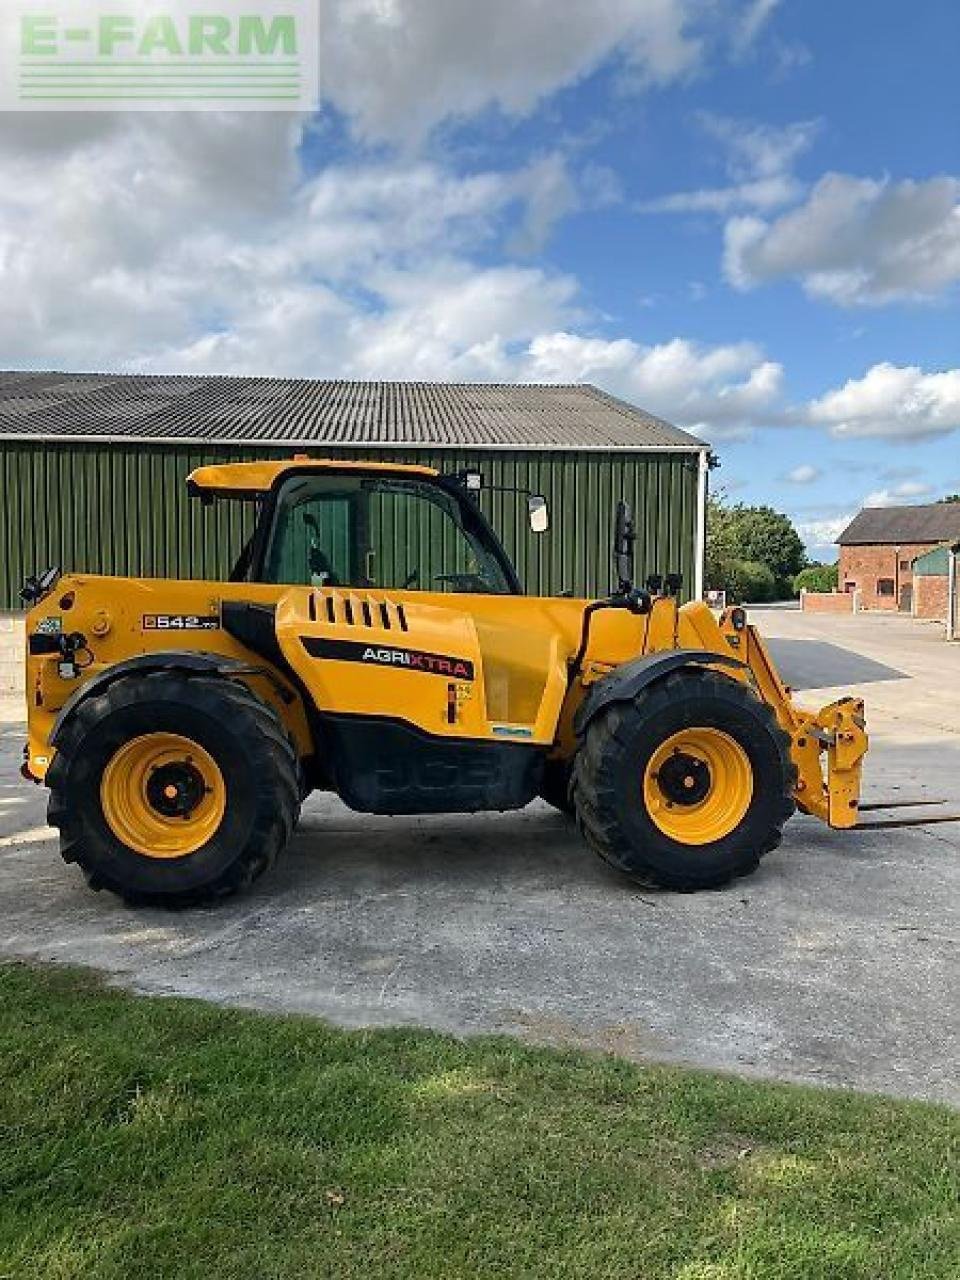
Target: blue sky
{"points": [[741, 214]]}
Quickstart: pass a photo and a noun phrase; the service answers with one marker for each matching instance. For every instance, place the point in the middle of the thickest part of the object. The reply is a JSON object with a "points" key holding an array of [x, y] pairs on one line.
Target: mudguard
{"points": [[170, 660], [623, 684]]}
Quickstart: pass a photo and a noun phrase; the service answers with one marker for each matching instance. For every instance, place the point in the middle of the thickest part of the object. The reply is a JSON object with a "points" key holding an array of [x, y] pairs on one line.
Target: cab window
{"points": [[396, 534]]}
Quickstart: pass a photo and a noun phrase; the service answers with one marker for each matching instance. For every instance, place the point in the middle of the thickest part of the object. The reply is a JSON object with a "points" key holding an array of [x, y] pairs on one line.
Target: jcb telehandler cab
{"points": [[373, 641]]}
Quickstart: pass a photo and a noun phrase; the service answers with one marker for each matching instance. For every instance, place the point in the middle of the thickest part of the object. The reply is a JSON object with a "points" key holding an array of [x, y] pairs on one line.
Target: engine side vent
{"points": [[340, 609]]}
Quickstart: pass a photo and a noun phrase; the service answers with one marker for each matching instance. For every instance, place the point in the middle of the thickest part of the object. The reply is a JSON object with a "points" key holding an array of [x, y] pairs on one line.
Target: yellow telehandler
{"points": [[373, 641]]}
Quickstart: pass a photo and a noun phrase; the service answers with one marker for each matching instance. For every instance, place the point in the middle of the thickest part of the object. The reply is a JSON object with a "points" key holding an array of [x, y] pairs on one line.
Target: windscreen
{"points": [[387, 532]]}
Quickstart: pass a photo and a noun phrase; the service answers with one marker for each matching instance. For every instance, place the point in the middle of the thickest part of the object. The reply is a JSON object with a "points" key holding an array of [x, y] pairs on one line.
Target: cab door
{"points": [[318, 546]]}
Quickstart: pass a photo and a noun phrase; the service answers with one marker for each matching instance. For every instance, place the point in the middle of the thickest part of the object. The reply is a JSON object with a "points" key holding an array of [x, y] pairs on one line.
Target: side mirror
{"points": [[539, 513]]}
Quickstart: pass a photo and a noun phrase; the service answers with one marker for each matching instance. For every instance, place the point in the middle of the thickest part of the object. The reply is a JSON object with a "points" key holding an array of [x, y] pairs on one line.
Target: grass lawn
{"points": [[146, 1137]]}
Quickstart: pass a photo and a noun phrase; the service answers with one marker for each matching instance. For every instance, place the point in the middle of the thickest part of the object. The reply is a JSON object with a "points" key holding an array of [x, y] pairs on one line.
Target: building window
{"points": [[904, 564], [885, 587], [849, 586]]}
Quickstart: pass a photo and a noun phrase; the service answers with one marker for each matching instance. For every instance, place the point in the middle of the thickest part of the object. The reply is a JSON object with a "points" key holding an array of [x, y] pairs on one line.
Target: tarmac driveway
{"points": [[835, 964]]}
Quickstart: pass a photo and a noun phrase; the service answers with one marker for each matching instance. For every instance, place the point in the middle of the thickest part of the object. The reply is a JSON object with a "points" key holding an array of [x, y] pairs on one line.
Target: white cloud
{"points": [[901, 494], [804, 474], [357, 214], [169, 236], [758, 150], [398, 68], [197, 243], [759, 160], [890, 401], [457, 322], [721, 391], [754, 18], [855, 241], [822, 532], [158, 251], [445, 321], [764, 193], [549, 194]]}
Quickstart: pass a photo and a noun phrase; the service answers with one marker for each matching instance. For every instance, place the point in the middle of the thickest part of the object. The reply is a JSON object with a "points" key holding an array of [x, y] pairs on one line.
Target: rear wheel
{"points": [[687, 786], [175, 790]]}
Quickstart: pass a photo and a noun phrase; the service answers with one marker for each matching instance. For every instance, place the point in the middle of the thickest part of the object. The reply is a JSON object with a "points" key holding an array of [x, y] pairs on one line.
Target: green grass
{"points": [[169, 1138]]}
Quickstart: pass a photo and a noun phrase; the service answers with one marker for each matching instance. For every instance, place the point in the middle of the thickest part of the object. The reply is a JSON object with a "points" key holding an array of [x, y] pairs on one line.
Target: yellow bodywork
{"points": [[230, 479], [827, 746], [518, 650]]}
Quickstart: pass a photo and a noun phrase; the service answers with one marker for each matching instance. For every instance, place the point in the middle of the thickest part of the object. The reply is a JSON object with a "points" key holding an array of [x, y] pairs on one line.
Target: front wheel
{"points": [[173, 790], [687, 786]]}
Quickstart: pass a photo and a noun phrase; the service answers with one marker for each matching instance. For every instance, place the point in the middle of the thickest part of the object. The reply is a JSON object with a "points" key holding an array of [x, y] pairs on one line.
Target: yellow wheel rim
{"points": [[698, 785], [163, 795]]}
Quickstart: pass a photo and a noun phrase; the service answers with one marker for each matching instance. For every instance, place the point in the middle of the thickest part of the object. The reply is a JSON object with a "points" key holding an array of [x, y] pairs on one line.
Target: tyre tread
{"points": [[594, 786], [279, 789]]}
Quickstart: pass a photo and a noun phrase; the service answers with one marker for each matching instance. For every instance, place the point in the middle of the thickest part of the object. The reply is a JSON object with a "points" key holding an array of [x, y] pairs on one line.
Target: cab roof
{"points": [[249, 479]]}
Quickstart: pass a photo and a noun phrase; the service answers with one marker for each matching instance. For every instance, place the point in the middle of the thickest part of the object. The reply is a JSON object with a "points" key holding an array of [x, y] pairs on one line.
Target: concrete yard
{"points": [[836, 964]]}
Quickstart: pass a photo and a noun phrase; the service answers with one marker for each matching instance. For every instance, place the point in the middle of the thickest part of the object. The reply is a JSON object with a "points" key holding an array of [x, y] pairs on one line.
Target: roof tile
{"points": [[892, 526]]}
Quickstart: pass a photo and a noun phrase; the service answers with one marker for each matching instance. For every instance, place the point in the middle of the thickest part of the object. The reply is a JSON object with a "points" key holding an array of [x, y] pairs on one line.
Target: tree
{"points": [[718, 558], [751, 582], [817, 577], [742, 540], [767, 537], [951, 497]]}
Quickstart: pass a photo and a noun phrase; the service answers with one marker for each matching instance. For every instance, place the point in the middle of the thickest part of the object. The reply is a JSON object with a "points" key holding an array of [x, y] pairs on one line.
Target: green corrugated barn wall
{"points": [[932, 564], [123, 509]]}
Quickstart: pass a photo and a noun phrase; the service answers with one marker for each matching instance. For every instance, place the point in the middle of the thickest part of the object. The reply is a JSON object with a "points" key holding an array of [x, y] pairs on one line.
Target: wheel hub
{"points": [[684, 779], [698, 785], [175, 790], [163, 795]]}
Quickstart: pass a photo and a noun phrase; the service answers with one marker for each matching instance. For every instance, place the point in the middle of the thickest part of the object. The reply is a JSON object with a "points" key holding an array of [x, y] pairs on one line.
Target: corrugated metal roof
{"points": [[902, 526], [209, 410]]}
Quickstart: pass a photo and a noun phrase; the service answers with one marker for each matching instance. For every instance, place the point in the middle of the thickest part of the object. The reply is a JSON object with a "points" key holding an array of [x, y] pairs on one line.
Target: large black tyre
{"points": [[257, 787], [613, 766], [555, 786]]}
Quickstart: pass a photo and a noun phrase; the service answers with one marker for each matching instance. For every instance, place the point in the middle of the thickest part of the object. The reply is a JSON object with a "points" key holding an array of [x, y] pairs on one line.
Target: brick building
{"points": [[878, 548]]}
